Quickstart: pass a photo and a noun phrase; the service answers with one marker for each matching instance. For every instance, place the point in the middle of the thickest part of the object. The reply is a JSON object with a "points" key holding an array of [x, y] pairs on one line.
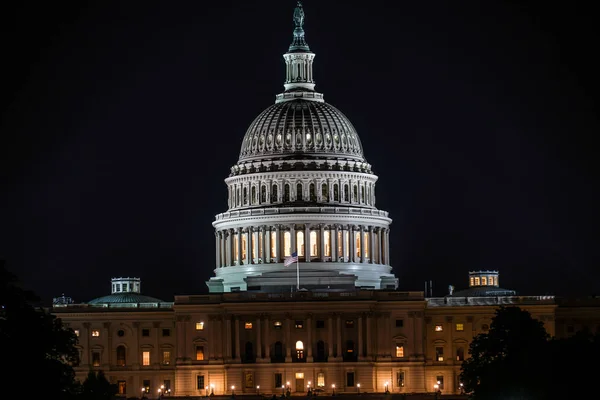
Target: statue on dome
{"points": [[299, 15]]}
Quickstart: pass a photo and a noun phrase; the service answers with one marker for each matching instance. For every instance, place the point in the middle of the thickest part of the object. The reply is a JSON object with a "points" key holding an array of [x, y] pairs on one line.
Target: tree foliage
{"points": [[97, 387], [35, 343], [518, 360]]}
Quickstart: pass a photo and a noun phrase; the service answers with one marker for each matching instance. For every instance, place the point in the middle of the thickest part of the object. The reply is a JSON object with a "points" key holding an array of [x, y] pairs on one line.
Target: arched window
{"points": [[327, 238], [235, 248], [346, 193], [362, 193], [273, 245], [358, 243], [238, 198], [340, 244], [286, 193], [336, 193], [313, 244], [245, 195], [300, 243], [321, 355], [274, 194], [253, 194], [460, 354], [366, 243], [263, 194], [287, 244], [324, 192], [355, 197], [244, 246], [299, 350], [121, 357], [299, 192], [313, 195]]}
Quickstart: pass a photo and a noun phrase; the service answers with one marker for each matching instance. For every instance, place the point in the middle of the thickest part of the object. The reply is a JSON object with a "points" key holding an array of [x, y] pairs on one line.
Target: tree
{"points": [[97, 387], [509, 361], [36, 342]]}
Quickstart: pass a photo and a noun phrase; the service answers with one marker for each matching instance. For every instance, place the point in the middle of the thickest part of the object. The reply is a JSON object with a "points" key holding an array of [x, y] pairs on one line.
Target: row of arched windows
{"points": [[322, 192]]}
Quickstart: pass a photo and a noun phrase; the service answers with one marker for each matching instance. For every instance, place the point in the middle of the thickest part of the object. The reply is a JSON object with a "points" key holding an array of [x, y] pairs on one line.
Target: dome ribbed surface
{"points": [[129, 297], [301, 127]]}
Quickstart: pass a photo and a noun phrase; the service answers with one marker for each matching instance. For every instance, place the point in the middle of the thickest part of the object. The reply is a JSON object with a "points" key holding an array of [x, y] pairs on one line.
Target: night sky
{"points": [[121, 119]]}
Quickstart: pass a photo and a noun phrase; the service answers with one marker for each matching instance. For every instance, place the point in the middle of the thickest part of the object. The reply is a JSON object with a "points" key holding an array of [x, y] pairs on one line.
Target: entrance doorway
{"points": [[299, 381]]}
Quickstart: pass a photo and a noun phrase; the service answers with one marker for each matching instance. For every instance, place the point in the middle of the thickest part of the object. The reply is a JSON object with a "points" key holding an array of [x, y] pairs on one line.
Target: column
{"points": [[218, 249], [309, 344], [333, 234], [258, 338], [352, 240], [256, 243], [229, 239], [339, 335], [344, 244], [267, 245], [379, 255], [362, 243], [228, 339], [372, 244], [248, 244], [293, 239], [369, 336], [212, 338], [236, 343], [277, 242], [330, 336], [107, 332], [239, 246], [360, 337], [85, 357], [387, 246], [267, 338], [322, 240], [288, 349], [308, 245], [219, 347]]}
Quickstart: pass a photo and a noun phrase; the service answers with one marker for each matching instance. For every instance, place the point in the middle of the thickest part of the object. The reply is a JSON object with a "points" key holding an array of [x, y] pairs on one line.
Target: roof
{"points": [[126, 297], [483, 291]]}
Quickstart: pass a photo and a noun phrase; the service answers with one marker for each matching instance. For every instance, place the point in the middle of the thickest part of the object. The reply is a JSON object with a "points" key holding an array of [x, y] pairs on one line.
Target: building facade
{"points": [[301, 193]]}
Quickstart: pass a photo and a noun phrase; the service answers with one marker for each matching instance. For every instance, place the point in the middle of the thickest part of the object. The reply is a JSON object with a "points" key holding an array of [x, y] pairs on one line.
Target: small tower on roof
{"points": [[125, 285]]}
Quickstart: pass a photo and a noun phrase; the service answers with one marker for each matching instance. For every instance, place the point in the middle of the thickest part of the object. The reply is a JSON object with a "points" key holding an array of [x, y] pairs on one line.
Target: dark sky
{"points": [[120, 120]]}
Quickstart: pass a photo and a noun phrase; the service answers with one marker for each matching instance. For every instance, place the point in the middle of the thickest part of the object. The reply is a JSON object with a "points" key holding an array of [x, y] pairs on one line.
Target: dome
{"points": [[302, 128], [130, 297]]}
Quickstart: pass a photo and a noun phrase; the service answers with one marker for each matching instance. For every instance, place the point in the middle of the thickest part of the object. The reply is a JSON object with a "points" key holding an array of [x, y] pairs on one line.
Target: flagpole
{"points": [[297, 273]]}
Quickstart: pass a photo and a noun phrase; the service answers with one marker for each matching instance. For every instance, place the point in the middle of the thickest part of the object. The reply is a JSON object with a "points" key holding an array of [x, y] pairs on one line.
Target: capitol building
{"points": [[303, 296]]}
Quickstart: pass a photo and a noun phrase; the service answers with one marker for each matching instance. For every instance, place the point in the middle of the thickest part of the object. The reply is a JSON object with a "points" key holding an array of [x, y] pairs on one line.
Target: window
{"points": [[484, 281], [399, 350], [145, 332], [122, 387], [439, 328], [491, 281], [199, 353], [350, 379], [321, 379], [349, 323], [460, 354], [167, 385], [166, 332], [399, 323], [200, 326], [299, 324], [248, 325], [76, 332], [440, 381], [146, 358], [313, 244], [476, 281], [300, 350], [120, 333], [320, 324], [277, 324], [121, 356], [471, 281], [287, 243], [439, 353], [146, 385], [166, 357], [96, 358], [200, 382], [300, 243], [400, 379], [278, 380], [95, 333], [460, 327]]}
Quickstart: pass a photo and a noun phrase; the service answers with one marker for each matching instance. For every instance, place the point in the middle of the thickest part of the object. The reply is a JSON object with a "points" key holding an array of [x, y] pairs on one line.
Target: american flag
{"points": [[291, 259]]}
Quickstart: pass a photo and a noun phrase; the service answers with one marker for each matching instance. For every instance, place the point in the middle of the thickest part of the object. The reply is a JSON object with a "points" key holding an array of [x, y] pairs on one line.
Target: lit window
{"points": [[299, 324], [313, 244], [439, 328], [199, 353], [277, 324], [476, 281], [95, 333], [76, 332], [400, 378], [300, 350], [321, 379], [146, 358], [399, 350], [484, 281], [491, 281], [471, 281], [460, 327], [166, 357], [439, 354], [96, 359], [300, 243], [248, 325], [200, 326]]}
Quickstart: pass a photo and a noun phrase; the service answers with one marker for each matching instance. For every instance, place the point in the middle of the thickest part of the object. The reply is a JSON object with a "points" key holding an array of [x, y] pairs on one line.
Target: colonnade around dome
{"points": [[342, 189], [313, 242]]}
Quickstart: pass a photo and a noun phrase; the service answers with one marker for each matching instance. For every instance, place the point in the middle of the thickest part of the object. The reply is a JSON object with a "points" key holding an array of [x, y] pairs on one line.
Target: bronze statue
{"points": [[299, 15]]}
